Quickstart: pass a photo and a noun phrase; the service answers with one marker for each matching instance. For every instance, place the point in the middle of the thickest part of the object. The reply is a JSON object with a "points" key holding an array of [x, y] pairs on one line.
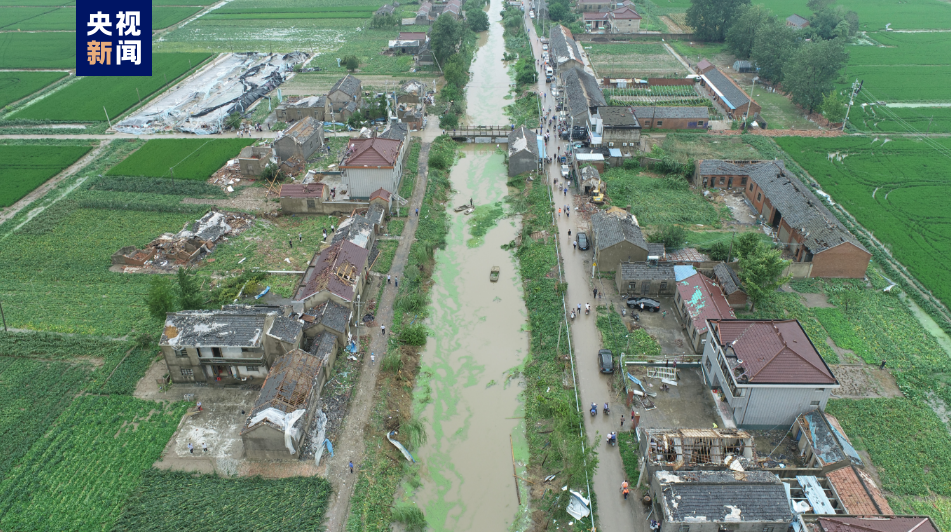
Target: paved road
{"points": [[613, 513]]}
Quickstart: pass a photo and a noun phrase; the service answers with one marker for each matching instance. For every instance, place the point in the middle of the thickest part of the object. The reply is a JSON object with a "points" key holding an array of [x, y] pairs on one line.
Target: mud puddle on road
{"points": [[477, 342], [486, 91]]}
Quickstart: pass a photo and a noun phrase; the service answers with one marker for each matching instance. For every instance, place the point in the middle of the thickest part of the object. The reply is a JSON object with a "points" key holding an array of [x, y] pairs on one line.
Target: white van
{"points": [[549, 73]]}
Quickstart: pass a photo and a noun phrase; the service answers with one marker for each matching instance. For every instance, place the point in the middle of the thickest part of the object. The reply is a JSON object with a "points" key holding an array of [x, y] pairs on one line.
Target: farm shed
{"points": [[681, 449], [821, 445], [703, 66], [743, 67], [370, 164], [224, 346], [730, 283], [300, 140], [337, 273], [563, 50], [253, 159], [617, 238], [643, 279], [620, 127], [523, 151], [310, 198], [712, 501], [767, 371], [659, 117], [797, 21], [699, 299], [728, 95], [276, 427]]}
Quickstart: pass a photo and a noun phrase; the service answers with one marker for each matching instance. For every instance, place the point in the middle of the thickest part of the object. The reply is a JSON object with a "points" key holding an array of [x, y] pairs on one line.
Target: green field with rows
{"points": [[876, 118], [163, 17], [52, 18], [157, 504], [356, 12], [17, 85], [37, 50], [896, 189], [27, 167], [87, 464], [83, 100], [874, 14], [180, 158]]}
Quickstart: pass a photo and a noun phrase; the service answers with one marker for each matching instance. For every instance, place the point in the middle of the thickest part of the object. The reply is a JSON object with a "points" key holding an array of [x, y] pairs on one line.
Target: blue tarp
{"points": [[330, 447], [266, 290], [683, 272], [541, 146]]}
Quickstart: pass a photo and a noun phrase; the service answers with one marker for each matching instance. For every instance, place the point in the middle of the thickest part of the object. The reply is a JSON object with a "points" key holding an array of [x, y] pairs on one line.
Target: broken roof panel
{"points": [[288, 384], [815, 495], [348, 84], [337, 269], [703, 301], [877, 524], [286, 329], [723, 497], [310, 190], [215, 328], [828, 444]]}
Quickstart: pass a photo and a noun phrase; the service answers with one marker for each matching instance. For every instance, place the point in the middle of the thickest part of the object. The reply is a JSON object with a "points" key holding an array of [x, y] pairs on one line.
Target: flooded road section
{"points": [[471, 407], [489, 83]]}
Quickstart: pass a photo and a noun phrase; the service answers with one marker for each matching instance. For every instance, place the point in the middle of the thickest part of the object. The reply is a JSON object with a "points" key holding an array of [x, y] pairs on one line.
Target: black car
{"points": [[583, 242], [606, 361], [644, 303]]}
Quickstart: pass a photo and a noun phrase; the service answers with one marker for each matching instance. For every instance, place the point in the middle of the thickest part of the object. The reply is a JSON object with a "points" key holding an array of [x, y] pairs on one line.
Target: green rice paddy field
{"points": [[898, 189], [187, 158], [16, 85], [27, 167], [37, 50], [83, 100]]}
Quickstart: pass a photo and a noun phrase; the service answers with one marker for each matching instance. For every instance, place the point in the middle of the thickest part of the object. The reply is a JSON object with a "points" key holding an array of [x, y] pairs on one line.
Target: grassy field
{"points": [[311, 35], [658, 200], [779, 111], [157, 504], [180, 158], [37, 50], [874, 14], [163, 17], [27, 167], [876, 119], [896, 189], [83, 101], [17, 85], [626, 60]]}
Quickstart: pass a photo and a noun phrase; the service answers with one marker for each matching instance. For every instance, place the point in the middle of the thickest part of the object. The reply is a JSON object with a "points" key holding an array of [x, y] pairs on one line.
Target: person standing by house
{"points": [[191, 448], [199, 406], [204, 447]]}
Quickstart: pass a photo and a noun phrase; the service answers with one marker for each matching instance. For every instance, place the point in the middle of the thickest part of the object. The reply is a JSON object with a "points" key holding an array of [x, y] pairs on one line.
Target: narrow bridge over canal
{"points": [[480, 134]]}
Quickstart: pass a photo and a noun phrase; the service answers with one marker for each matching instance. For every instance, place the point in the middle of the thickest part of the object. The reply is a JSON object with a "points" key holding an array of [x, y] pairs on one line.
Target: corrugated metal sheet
{"points": [[815, 495]]}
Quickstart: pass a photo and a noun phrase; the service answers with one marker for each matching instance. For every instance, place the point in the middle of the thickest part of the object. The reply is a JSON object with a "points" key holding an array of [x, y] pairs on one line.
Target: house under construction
{"points": [[697, 449]]}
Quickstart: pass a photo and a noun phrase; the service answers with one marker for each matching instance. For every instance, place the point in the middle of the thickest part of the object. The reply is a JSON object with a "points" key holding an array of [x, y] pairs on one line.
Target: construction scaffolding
{"points": [[676, 449]]}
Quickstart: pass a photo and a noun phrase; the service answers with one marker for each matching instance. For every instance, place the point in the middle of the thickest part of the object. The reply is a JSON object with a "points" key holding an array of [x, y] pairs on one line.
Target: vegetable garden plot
{"points": [[17, 85], [80, 473], [184, 158], [157, 504], [27, 167], [83, 101], [656, 90], [626, 60], [33, 393], [37, 50], [897, 190]]}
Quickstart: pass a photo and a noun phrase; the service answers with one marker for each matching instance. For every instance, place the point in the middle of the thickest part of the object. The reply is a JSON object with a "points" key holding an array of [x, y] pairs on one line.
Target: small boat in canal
{"points": [[494, 275]]}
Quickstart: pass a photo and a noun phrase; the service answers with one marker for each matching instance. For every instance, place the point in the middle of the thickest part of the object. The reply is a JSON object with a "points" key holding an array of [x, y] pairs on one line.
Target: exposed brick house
{"points": [[616, 239], [704, 66], [624, 20], [301, 140], [642, 279], [660, 117], [730, 284], [802, 223], [728, 95]]}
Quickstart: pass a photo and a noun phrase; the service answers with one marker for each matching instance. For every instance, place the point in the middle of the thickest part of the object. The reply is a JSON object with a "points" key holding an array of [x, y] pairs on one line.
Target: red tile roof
{"points": [[625, 13], [704, 65], [371, 152], [591, 15], [381, 193], [704, 301], [877, 524], [774, 351], [341, 259], [412, 36], [853, 486], [310, 190]]}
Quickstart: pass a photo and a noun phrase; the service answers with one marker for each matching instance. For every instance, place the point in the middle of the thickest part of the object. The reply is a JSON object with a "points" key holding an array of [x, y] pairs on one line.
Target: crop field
{"points": [[163, 17], [312, 35], [27, 167], [356, 12], [83, 101], [27, 18], [874, 14], [37, 50], [182, 2], [85, 467], [909, 83], [366, 46], [658, 90], [184, 158], [659, 200], [896, 189], [157, 504], [627, 60], [876, 119], [17, 85]]}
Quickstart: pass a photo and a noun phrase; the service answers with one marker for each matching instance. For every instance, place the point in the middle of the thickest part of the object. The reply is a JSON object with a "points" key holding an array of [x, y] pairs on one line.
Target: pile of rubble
{"points": [[228, 176], [190, 245]]}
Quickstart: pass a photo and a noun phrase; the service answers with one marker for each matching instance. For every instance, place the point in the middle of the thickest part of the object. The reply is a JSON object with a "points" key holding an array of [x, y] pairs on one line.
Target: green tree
{"points": [[762, 273], [234, 120], [477, 19], [746, 243], [773, 45], [450, 120], [742, 33], [819, 5], [161, 296], [711, 18], [810, 73], [272, 172], [350, 62], [559, 12], [384, 21], [445, 36], [833, 107], [454, 73], [848, 298], [357, 119], [189, 292], [672, 236]]}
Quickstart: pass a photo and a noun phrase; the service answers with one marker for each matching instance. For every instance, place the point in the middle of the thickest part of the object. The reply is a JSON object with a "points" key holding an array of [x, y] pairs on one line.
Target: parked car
{"points": [[583, 242], [545, 47], [644, 302], [606, 361], [565, 171]]}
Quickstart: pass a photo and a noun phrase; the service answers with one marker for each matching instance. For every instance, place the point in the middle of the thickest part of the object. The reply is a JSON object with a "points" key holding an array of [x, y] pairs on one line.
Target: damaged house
{"points": [[226, 346], [696, 449], [617, 238], [345, 97], [821, 444], [301, 140], [254, 159], [276, 426], [523, 151], [298, 109], [328, 317], [185, 248], [337, 273], [697, 300], [717, 501]]}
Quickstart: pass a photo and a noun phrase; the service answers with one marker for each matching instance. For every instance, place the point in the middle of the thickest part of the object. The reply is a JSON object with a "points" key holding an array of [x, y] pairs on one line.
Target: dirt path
{"points": [[351, 445], [681, 59], [44, 189]]}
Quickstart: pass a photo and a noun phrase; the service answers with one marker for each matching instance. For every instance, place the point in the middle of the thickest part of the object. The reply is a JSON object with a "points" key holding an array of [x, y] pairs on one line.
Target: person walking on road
{"points": [[625, 489], [383, 329], [575, 243], [191, 448], [396, 282], [351, 467], [622, 421], [595, 293], [387, 279]]}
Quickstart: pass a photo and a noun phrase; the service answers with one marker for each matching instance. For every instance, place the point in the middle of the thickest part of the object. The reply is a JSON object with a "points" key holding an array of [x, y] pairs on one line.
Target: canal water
{"points": [[468, 396]]}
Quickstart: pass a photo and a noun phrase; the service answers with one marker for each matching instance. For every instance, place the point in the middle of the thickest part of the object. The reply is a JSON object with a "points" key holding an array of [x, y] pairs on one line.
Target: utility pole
{"points": [[747, 115], [729, 255], [137, 94], [359, 318], [107, 116], [856, 87], [4, 318]]}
